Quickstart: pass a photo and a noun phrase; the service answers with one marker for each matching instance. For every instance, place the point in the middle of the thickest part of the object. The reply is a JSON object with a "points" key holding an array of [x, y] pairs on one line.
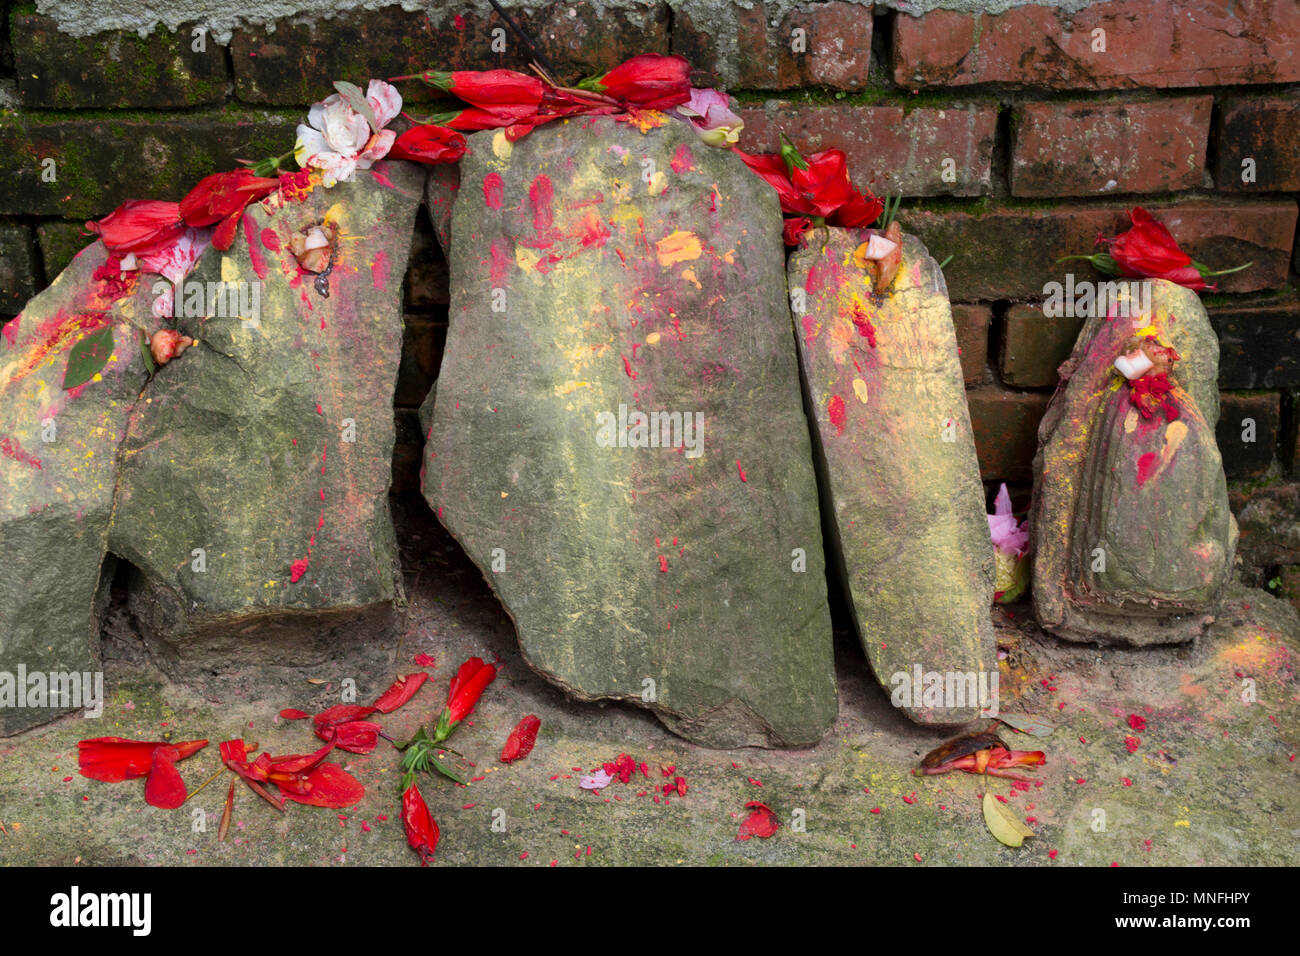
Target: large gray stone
{"points": [[1133, 538], [897, 463], [641, 271], [57, 454], [267, 447]]}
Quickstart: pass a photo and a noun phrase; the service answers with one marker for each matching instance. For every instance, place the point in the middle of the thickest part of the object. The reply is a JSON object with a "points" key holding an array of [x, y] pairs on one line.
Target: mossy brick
{"points": [[1259, 344], [115, 69], [1005, 424], [1010, 250], [1249, 425], [100, 160], [971, 323], [922, 151], [18, 279], [746, 46], [1257, 147], [295, 61], [59, 242], [1034, 345], [1091, 148]]}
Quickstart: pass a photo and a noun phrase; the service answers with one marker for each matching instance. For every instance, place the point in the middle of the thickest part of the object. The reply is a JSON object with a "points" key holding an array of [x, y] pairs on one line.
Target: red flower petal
{"points": [[403, 690], [762, 822], [521, 740], [421, 830], [328, 785], [289, 713], [165, 788]]}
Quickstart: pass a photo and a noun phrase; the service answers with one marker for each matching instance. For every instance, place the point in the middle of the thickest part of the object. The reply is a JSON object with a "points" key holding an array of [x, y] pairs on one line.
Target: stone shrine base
{"points": [[1213, 781]]}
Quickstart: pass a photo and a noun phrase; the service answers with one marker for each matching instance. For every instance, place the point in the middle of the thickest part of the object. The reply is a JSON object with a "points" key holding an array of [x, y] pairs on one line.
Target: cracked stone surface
{"points": [[640, 272], [1132, 534], [897, 465]]}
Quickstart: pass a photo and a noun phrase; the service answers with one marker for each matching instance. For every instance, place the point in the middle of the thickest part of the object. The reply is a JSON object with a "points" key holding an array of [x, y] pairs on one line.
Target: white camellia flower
{"points": [[339, 141]]}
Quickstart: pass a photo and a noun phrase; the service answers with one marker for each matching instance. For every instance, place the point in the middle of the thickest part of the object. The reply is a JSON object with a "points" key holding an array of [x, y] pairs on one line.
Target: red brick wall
{"points": [[1015, 139]]}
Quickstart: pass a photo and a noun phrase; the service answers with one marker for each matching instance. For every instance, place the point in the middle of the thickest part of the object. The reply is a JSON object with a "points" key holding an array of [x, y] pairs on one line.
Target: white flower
{"points": [[709, 111], [174, 263], [339, 141]]}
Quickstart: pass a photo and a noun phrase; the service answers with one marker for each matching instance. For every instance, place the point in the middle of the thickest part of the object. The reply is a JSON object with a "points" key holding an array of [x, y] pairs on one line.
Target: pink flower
{"points": [[339, 140], [596, 781], [709, 112], [1008, 534], [174, 262]]}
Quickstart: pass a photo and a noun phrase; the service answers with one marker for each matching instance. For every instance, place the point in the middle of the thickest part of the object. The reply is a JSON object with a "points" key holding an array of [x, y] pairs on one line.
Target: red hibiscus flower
{"points": [[761, 822], [1148, 251], [521, 740], [303, 778], [354, 736], [403, 689], [651, 81], [429, 144], [817, 186], [139, 226], [114, 759], [463, 694], [222, 197], [421, 829]]}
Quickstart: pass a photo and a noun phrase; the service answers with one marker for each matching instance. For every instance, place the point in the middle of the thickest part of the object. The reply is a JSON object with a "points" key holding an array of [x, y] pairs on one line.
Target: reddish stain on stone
{"points": [[1146, 467], [683, 159], [663, 564], [297, 570], [500, 263], [12, 448], [381, 178], [835, 408], [379, 269], [864, 326], [743, 476], [254, 248], [270, 239], [540, 196], [493, 190]]}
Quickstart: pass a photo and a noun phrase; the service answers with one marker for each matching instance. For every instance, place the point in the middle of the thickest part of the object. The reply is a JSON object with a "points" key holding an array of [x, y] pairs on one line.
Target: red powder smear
{"points": [[381, 178], [11, 329], [319, 410], [501, 262], [254, 248], [379, 269], [663, 564], [458, 22], [743, 476], [592, 231], [297, 570], [540, 196], [627, 367], [864, 326], [1146, 467], [270, 239], [493, 190], [683, 159], [12, 448], [835, 408]]}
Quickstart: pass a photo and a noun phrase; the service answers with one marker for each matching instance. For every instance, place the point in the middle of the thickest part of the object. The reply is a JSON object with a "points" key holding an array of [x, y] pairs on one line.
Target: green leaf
{"points": [[444, 768], [146, 354], [1034, 726], [353, 96], [1003, 822], [88, 357]]}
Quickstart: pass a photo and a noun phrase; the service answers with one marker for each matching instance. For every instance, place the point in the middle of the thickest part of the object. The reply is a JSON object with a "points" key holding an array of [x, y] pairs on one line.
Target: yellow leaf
{"points": [[1003, 822]]}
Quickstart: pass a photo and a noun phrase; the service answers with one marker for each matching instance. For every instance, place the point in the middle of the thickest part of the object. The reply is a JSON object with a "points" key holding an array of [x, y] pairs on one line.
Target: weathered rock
{"points": [[635, 273], [254, 475], [898, 468], [57, 451], [1132, 534]]}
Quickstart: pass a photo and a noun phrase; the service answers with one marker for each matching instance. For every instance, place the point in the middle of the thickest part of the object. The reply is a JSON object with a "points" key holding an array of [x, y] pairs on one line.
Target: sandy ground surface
{"points": [[1212, 778]]}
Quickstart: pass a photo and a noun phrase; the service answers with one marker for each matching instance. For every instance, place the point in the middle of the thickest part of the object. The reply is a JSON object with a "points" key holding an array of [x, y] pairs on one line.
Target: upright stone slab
{"points": [[57, 452], [1132, 535], [255, 474], [598, 273], [898, 468]]}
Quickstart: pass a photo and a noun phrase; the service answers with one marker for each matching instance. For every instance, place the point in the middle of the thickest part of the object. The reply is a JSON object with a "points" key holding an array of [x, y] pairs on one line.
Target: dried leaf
{"points": [[315, 680], [960, 747], [357, 100], [1034, 726], [1003, 822]]}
